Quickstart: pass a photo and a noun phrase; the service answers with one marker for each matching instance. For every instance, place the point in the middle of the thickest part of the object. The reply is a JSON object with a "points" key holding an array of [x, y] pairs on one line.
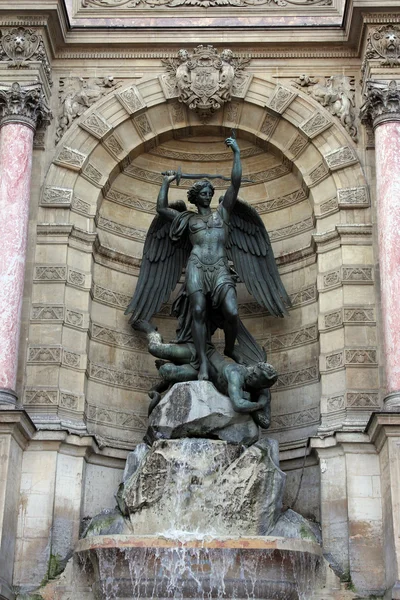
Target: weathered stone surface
{"points": [[197, 409], [292, 525], [207, 486], [108, 522]]}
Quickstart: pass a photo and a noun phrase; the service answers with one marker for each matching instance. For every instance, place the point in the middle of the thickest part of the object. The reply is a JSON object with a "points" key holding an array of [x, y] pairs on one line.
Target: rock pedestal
{"points": [[205, 486], [197, 409]]}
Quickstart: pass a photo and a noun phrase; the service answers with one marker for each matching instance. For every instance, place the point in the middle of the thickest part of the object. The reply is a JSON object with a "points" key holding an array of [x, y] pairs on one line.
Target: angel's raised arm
{"points": [[231, 193], [162, 201]]}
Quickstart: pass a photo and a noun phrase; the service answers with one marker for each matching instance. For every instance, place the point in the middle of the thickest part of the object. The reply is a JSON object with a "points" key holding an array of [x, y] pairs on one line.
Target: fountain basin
{"points": [[141, 567]]}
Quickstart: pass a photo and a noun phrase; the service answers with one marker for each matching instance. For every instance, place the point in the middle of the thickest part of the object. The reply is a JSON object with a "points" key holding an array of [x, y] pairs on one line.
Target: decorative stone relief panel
{"points": [[121, 339], [119, 378], [383, 44], [301, 337], [21, 46], [143, 125], [131, 99], [45, 312], [317, 174], [205, 80], [76, 95], [281, 98], [281, 202], [335, 93], [351, 357], [343, 157], [39, 396], [44, 354], [128, 232], [96, 125], [315, 125], [50, 273], [200, 3], [328, 207], [300, 418], [300, 377], [80, 206], [93, 175], [269, 124], [118, 418], [348, 275], [56, 196], [133, 201], [110, 297], [356, 197], [293, 229], [335, 403], [113, 146], [70, 159]]}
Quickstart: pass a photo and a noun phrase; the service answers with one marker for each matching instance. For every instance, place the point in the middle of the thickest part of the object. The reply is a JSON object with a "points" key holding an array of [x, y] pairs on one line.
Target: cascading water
{"points": [[192, 552]]}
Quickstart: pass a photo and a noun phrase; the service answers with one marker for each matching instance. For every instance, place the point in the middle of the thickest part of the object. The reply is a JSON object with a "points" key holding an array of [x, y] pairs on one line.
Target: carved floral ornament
{"points": [[202, 3], [382, 102], [20, 46], [205, 79], [24, 104]]}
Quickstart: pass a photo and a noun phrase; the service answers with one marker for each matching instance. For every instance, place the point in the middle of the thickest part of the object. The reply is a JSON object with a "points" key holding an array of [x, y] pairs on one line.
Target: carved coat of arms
{"points": [[205, 79]]}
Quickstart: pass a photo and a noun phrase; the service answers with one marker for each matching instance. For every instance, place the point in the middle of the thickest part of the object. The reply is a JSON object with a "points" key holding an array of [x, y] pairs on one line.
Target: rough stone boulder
{"points": [[197, 409], [208, 486]]}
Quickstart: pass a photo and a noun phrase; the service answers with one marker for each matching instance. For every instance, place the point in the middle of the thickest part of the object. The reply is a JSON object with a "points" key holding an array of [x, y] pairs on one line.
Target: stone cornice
{"points": [[24, 104], [382, 103]]}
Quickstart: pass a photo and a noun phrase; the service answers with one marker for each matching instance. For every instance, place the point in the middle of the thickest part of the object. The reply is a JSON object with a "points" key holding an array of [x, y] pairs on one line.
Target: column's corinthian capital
{"points": [[24, 104], [382, 102]]}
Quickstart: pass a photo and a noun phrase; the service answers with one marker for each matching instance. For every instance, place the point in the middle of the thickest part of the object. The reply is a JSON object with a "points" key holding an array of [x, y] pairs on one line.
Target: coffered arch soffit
{"points": [[137, 119]]}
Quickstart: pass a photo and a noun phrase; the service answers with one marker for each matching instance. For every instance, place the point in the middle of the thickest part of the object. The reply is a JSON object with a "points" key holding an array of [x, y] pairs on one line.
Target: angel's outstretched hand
{"points": [[169, 176], [232, 143]]}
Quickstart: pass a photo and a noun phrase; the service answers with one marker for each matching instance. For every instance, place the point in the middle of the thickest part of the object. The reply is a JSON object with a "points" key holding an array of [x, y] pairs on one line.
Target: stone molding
{"points": [[19, 425], [391, 402], [25, 104], [8, 399], [382, 103], [132, 4]]}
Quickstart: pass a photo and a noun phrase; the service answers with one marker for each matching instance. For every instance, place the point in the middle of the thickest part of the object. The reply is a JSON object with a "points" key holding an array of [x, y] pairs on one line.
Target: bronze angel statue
{"points": [[206, 242]]}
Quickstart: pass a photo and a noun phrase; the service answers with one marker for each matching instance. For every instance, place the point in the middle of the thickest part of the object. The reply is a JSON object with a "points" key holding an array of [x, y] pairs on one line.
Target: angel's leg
{"points": [[199, 331], [229, 309]]}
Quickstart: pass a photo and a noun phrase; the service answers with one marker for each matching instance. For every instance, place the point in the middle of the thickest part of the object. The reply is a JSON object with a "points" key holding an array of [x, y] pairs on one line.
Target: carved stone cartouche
{"points": [[205, 79], [21, 46]]}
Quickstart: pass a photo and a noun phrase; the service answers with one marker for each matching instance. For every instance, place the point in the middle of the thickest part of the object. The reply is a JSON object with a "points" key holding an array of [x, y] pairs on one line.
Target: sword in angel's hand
{"points": [[180, 175]]}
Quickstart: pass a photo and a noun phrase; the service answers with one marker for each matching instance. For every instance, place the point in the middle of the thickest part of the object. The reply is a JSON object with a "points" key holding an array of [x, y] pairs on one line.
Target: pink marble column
{"points": [[382, 109], [20, 109], [387, 147]]}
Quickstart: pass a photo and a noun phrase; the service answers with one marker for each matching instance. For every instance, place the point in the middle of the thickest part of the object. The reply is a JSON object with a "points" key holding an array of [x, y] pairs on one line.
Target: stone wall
{"points": [[83, 374]]}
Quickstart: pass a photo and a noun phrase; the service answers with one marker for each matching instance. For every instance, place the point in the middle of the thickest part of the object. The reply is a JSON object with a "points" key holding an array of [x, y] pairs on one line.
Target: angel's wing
{"points": [[162, 264], [249, 248]]}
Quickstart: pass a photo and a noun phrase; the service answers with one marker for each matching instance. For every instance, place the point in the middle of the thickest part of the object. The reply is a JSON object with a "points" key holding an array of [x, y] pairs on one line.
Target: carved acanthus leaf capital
{"points": [[24, 104], [382, 103]]}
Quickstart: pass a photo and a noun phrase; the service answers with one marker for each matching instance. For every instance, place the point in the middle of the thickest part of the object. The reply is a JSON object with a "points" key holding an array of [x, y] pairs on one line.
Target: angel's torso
{"points": [[209, 235]]}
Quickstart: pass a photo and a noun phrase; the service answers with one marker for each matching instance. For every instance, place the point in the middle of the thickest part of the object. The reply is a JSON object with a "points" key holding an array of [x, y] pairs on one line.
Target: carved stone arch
{"points": [[136, 119]]}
